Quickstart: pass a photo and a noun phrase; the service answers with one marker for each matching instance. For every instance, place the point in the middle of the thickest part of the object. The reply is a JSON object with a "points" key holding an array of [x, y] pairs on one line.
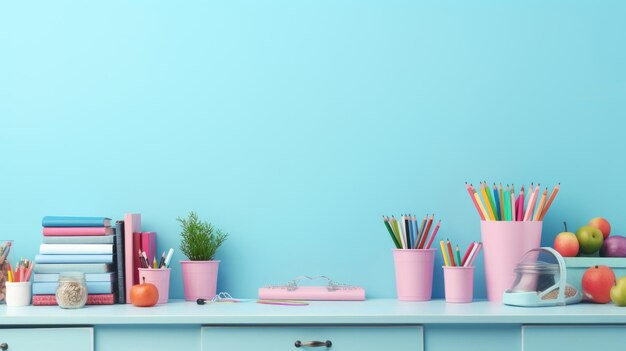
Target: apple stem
{"points": [[565, 224]]}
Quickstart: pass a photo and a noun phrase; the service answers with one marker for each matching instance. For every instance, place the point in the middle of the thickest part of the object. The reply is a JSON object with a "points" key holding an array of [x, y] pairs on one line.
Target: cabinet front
{"points": [[574, 338], [331, 338], [49, 339]]}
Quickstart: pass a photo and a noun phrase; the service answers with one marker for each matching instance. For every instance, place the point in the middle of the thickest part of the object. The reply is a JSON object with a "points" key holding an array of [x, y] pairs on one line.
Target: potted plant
{"points": [[199, 242]]}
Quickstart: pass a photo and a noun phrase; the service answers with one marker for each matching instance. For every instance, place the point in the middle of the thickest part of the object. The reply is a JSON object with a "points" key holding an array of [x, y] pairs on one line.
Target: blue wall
{"points": [[294, 125]]}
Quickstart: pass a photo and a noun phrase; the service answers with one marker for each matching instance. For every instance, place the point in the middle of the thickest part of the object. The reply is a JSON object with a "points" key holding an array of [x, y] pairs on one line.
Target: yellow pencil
{"points": [[542, 203], [501, 194], [482, 208], [483, 189], [443, 252]]}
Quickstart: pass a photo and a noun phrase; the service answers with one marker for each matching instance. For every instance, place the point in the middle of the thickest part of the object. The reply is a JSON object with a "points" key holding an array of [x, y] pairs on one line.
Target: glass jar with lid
{"points": [[72, 290]]}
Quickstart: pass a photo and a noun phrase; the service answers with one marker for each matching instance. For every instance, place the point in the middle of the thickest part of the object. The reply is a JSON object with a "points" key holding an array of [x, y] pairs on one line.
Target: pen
{"points": [[162, 261], [168, 258]]}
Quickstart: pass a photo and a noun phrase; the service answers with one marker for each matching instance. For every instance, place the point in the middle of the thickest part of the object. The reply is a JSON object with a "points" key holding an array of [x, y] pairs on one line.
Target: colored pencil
{"points": [[470, 261], [450, 253], [513, 203], [432, 237], [426, 231], [467, 253], [472, 253], [483, 212], [520, 207], [499, 203], [542, 203], [443, 252], [550, 199], [394, 224], [458, 256], [507, 205], [471, 192], [488, 204], [531, 203], [421, 233], [407, 230]]}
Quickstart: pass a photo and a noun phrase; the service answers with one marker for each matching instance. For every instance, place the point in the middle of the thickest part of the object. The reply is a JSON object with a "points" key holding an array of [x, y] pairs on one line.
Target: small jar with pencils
{"points": [[18, 286], [458, 272], [414, 259], [510, 226]]}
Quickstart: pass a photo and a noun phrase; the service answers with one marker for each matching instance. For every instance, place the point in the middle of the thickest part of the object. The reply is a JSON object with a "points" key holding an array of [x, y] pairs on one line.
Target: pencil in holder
{"points": [[459, 284], [414, 273], [504, 244]]}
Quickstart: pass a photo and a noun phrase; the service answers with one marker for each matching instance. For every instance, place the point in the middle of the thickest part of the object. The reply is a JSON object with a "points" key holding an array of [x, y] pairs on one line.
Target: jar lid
{"points": [[537, 267]]}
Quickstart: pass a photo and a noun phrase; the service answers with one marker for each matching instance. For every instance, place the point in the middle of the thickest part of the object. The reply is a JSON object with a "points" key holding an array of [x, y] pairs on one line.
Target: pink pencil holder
{"points": [[160, 278], [414, 273], [459, 284], [504, 244]]}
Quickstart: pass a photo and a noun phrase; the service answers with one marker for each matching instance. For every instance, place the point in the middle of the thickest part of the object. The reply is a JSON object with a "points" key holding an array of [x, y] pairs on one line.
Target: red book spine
{"points": [[92, 299]]}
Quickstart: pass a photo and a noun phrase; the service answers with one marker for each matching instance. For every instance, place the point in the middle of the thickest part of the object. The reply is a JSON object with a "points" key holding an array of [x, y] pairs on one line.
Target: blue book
{"points": [[73, 267], [74, 259], [95, 239], [46, 288], [90, 277], [68, 221]]}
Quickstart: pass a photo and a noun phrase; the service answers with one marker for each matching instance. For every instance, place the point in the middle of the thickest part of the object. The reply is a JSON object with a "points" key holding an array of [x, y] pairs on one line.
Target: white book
{"points": [[75, 249]]}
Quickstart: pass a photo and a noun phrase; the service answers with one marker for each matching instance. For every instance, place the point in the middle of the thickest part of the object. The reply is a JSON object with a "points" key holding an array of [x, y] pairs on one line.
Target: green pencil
{"points": [[493, 204], [507, 204], [391, 233], [458, 256]]}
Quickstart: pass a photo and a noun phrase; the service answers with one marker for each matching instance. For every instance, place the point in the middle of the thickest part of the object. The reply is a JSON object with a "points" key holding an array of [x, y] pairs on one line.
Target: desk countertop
{"points": [[375, 311]]}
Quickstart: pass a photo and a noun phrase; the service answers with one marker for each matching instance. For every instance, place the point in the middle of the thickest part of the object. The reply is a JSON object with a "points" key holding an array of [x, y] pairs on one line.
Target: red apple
{"points": [[601, 224], [144, 294], [597, 283], [566, 243]]}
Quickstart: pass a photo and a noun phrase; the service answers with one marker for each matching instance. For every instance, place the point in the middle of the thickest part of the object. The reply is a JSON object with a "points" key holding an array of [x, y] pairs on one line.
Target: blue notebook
{"points": [[90, 277], [47, 288], [74, 259], [73, 267], [69, 221]]}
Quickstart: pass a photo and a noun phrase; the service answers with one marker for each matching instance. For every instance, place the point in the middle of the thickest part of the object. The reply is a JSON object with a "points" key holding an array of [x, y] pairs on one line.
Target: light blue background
{"points": [[294, 125]]}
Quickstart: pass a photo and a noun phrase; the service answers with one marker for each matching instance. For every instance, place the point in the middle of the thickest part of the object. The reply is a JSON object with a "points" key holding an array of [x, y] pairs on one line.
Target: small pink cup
{"points": [[459, 282], [160, 278], [414, 273]]}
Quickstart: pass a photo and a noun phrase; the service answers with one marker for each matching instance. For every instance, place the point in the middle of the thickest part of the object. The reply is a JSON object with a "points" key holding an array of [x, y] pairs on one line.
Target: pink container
{"points": [[160, 278], [199, 279], [504, 244], [459, 283], [414, 274]]}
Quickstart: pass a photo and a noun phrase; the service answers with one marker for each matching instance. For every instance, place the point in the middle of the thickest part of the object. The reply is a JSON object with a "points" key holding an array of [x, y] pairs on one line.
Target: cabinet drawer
{"points": [[49, 339], [573, 338], [284, 338]]}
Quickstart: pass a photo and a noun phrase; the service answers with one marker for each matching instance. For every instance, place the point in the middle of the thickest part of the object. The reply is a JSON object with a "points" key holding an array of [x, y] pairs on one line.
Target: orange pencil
{"points": [[550, 199], [542, 203], [450, 253]]}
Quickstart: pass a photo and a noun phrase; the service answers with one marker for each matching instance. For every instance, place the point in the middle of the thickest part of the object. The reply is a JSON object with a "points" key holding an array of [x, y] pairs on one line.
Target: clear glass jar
{"points": [[72, 290]]}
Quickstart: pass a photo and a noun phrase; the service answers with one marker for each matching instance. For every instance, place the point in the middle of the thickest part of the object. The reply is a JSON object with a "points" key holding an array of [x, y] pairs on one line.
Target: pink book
{"points": [[77, 231], [136, 259], [132, 224], [148, 244]]}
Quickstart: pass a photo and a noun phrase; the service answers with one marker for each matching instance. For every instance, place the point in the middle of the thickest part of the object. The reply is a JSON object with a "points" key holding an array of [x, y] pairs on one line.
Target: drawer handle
{"points": [[4, 346], [326, 343]]}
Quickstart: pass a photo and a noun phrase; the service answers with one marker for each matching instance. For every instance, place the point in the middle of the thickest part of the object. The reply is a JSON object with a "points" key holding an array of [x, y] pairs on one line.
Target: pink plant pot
{"points": [[199, 279]]}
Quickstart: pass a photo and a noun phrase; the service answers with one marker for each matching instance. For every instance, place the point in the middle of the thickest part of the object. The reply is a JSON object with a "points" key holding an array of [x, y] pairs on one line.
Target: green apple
{"points": [[618, 292], [590, 239]]}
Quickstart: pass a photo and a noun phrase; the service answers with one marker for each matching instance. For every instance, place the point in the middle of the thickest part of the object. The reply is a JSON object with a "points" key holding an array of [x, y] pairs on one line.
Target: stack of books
{"points": [[78, 244]]}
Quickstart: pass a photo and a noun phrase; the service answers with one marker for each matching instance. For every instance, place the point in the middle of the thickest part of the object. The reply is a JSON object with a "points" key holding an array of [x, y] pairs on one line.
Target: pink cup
{"points": [[414, 273], [160, 278], [504, 244], [459, 283]]}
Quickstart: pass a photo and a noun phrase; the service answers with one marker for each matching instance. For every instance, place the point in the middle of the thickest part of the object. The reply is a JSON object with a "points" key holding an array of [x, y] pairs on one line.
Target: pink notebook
{"points": [[331, 291], [77, 231], [132, 224], [148, 244]]}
